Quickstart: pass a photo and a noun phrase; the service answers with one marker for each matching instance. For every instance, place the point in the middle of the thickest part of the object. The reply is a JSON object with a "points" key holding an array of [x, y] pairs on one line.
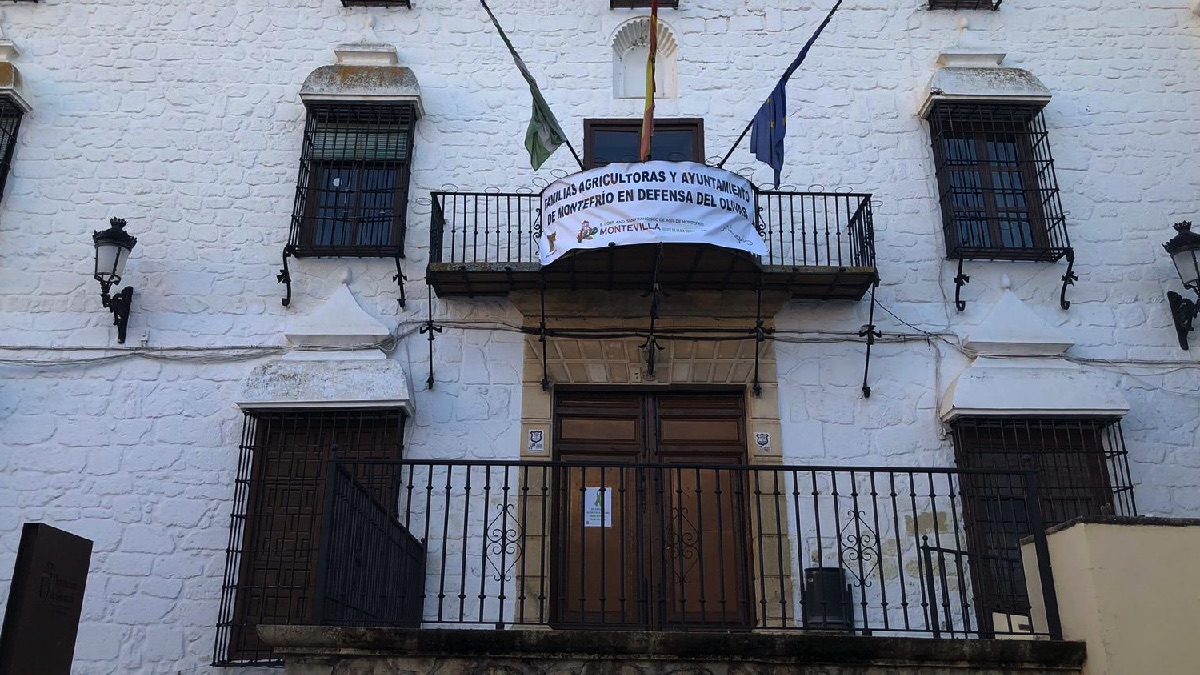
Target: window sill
{"points": [[965, 5], [347, 251], [641, 4], [1009, 254], [377, 3]]}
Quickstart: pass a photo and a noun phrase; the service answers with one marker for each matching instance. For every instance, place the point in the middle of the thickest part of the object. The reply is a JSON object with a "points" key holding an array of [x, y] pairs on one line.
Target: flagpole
{"points": [[651, 58], [787, 74], [533, 88], [574, 154], [721, 164]]}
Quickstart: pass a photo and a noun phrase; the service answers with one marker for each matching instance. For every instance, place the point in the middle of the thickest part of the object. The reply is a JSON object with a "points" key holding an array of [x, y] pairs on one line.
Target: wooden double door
{"points": [[651, 524]]}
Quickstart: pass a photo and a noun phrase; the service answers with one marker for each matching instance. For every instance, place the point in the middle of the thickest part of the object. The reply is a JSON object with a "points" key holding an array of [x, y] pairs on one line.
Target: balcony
{"points": [[818, 245], [667, 548]]}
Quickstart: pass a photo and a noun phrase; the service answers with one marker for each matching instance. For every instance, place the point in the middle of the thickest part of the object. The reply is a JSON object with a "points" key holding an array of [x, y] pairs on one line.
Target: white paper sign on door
{"points": [[597, 507]]}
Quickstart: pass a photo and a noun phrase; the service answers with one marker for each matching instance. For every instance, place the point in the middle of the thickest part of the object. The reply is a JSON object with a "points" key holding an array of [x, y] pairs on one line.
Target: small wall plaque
{"points": [[537, 441], [763, 440]]}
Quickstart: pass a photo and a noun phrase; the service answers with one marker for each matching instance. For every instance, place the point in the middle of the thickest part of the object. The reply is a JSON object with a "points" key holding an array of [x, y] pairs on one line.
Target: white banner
{"points": [[648, 203]]}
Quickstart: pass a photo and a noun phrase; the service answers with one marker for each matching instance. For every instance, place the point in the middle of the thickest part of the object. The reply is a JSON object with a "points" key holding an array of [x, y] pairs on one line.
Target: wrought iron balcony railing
{"points": [[819, 244], [485, 228], [877, 551]]}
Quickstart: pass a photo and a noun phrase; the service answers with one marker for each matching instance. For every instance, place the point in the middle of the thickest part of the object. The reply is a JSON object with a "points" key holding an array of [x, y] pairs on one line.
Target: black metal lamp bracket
{"points": [[285, 276], [399, 278], [868, 331], [431, 329], [1183, 311], [1068, 279], [119, 305], [761, 333], [651, 344], [960, 281]]}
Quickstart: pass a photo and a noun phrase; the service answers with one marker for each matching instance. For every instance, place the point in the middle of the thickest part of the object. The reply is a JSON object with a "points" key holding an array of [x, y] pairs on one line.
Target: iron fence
{"points": [[328, 528], [801, 229], [690, 547], [816, 229], [484, 227], [380, 565]]}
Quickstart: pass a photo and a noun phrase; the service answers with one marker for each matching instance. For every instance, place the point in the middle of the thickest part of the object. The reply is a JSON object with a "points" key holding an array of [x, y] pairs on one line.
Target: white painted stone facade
{"points": [[185, 118]]}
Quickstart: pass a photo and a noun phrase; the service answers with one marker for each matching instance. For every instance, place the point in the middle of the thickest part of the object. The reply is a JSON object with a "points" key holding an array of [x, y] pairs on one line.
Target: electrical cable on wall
{"points": [[240, 353]]}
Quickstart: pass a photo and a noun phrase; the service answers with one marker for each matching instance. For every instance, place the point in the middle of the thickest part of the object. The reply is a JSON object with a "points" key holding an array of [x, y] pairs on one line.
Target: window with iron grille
{"points": [[965, 4], [273, 557], [996, 183], [1081, 469], [352, 194], [10, 121]]}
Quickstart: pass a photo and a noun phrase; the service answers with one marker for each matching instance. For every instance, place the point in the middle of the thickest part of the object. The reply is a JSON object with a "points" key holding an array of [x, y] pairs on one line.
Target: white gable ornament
{"points": [[335, 362], [1021, 371]]}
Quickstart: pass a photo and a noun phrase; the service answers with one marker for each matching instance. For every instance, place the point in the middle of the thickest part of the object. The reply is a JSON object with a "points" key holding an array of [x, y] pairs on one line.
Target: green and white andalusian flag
{"points": [[544, 135]]}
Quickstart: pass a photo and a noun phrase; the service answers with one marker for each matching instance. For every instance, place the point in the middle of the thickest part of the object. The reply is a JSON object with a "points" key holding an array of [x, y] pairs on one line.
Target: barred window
{"points": [[1081, 469], [272, 561], [10, 121], [352, 194], [965, 4], [996, 183]]}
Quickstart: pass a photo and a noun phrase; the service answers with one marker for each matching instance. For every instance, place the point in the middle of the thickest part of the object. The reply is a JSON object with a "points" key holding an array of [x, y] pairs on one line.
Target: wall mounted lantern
{"points": [[1184, 249], [112, 252]]}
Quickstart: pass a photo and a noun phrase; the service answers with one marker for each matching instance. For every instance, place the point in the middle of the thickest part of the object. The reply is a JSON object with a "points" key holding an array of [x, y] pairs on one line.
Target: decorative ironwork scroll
{"points": [[285, 276], [504, 540], [1068, 279], [859, 545]]}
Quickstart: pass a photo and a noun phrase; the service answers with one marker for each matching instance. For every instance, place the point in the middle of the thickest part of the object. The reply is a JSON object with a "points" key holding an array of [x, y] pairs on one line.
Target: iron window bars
{"points": [[996, 183], [10, 122], [276, 525], [1081, 468], [352, 193], [1082, 463], [965, 4]]}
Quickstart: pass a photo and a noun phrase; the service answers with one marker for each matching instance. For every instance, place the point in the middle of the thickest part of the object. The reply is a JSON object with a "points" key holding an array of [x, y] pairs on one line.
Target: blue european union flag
{"points": [[769, 128], [770, 122]]}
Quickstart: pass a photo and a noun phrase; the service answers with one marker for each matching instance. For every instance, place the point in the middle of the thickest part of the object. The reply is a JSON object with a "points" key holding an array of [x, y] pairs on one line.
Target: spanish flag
{"points": [[648, 117]]}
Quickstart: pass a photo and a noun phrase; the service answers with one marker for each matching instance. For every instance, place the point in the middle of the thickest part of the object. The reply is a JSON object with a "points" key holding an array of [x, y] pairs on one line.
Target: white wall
{"points": [[184, 118]]}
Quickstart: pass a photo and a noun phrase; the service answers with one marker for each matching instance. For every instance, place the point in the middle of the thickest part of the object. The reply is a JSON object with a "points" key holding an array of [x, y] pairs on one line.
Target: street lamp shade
{"points": [[112, 251], [1184, 249]]}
